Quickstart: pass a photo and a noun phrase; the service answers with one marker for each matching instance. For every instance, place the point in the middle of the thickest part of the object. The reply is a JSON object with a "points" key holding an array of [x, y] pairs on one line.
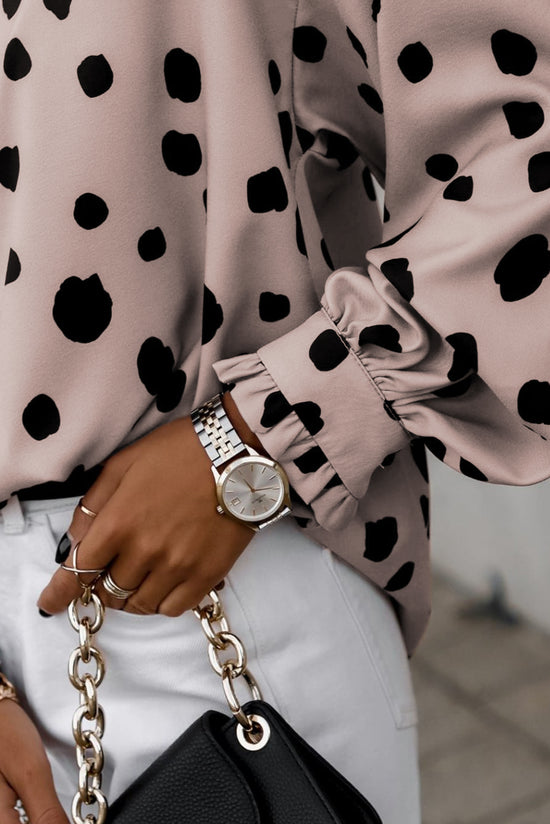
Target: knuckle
{"points": [[50, 815]]}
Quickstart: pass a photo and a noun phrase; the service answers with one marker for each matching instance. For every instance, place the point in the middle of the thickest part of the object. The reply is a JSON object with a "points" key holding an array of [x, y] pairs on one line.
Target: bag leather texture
{"points": [[207, 775]]}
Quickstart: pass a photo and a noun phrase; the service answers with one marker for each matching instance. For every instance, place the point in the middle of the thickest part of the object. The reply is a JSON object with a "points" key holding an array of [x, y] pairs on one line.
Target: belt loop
{"points": [[13, 518]]}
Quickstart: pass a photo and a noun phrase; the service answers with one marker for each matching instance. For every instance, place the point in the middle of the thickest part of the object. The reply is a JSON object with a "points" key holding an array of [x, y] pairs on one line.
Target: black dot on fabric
{"points": [[415, 62], [41, 417], [182, 76], [310, 415], [425, 508], [276, 409], [539, 172], [393, 240], [212, 315], [181, 153], [514, 53], [171, 391], [273, 307], [523, 268], [390, 411], [375, 9], [267, 192], [382, 335], [300, 240], [95, 75], [534, 402], [455, 390], [460, 189], [156, 371], [335, 481], [311, 461], [60, 8], [371, 97], [340, 148], [328, 351], [309, 44], [285, 126], [303, 523], [205, 200], [465, 358], [9, 167], [358, 46], [380, 539], [274, 77], [13, 269], [388, 460], [17, 60], [401, 578], [418, 453], [90, 211], [397, 272], [10, 7], [524, 119], [152, 244], [326, 254], [436, 447], [471, 471], [442, 166], [305, 138], [387, 215], [369, 185], [82, 308]]}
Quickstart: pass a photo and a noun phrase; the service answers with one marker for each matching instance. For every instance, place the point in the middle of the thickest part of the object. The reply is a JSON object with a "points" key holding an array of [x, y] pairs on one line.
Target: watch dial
{"points": [[253, 491]]}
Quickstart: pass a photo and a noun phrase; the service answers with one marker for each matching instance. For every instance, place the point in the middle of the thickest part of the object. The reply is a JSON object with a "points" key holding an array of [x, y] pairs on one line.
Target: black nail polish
{"points": [[63, 549], [44, 614]]}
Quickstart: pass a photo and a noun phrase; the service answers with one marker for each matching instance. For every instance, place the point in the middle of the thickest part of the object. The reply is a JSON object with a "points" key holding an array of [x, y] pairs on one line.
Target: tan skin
{"points": [[158, 531]]}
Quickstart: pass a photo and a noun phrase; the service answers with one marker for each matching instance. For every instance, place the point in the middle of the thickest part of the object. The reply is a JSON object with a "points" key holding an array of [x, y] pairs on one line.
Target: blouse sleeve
{"points": [[444, 334]]}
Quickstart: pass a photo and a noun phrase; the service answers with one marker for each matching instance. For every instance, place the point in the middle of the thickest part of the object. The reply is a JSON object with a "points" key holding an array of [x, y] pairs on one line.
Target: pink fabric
{"points": [[177, 185]]}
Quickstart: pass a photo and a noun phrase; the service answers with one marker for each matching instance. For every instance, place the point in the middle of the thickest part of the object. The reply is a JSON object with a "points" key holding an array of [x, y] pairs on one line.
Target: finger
{"points": [[184, 597], [39, 797], [8, 799], [154, 589], [124, 576]]}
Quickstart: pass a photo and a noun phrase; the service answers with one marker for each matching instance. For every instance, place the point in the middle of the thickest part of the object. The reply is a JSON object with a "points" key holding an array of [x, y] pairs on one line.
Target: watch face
{"points": [[252, 489]]}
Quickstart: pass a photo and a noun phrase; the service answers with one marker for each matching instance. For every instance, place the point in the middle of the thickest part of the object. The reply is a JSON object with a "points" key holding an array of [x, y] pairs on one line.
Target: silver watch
{"points": [[250, 488]]}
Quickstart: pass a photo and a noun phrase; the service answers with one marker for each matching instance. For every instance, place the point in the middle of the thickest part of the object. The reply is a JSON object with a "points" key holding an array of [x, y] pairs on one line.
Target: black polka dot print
{"points": [[514, 53], [60, 8], [181, 153], [311, 461], [534, 402], [285, 126], [266, 192], [309, 44], [471, 471], [523, 268], [335, 481], [383, 335], [326, 254], [442, 166], [425, 508], [273, 307], [460, 189], [276, 409], [182, 76], [310, 415], [371, 97], [17, 60], [274, 77], [152, 244], [418, 453], [10, 7], [524, 119], [436, 447], [300, 240], [393, 240], [465, 357], [398, 274], [341, 148], [539, 172], [14, 267], [369, 185], [205, 200], [402, 577], [155, 363], [212, 315], [387, 215], [455, 390], [415, 62], [95, 75], [9, 167], [358, 46], [90, 210], [380, 539], [41, 417], [82, 308], [328, 351], [388, 460], [375, 9]]}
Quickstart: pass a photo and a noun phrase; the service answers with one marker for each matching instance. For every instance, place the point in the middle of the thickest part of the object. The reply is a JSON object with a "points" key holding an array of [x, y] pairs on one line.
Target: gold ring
{"points": [[78, 571], [114, 589], [85, 509]]}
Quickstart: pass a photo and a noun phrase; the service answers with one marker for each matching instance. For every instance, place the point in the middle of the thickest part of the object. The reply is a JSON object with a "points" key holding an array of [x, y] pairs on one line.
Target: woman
{"points": [[185, 208]]}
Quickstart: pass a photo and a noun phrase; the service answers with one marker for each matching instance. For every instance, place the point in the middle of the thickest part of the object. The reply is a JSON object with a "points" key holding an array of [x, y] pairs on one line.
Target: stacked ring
{"points": [[113, 589], [85, 509]]}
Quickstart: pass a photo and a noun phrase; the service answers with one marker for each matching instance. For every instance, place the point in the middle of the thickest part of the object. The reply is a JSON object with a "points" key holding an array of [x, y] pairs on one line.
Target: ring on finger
{"points": [[85, 509], [113, 589], [78, 572]]}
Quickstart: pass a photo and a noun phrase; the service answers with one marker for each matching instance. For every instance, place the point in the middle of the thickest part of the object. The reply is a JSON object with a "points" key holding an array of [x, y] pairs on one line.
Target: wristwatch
{"points": [[7, 690], [250, 488]]}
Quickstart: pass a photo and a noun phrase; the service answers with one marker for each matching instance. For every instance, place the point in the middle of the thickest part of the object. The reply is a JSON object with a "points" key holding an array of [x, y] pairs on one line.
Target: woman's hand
{"points": [[25, 771], [156, 527]]}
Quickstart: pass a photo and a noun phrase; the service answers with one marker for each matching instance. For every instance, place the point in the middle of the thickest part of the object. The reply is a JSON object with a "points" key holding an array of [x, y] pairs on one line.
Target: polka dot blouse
{"points": [[187, 201]]}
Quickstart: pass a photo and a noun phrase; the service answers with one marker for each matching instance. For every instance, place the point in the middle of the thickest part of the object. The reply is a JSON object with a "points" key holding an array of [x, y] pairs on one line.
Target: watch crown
{"points": [[219, 510]]}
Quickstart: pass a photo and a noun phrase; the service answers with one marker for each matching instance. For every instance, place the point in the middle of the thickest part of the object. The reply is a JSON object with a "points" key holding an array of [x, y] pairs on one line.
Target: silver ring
{"points": [[114, 589], [85, 509]]}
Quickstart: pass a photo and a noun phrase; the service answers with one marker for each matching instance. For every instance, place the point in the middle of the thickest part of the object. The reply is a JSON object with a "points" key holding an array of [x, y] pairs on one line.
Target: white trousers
{"points": [[322, 642]]}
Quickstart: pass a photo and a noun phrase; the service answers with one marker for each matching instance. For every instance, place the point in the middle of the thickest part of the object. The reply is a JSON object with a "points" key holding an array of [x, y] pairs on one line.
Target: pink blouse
{"points": [[186, 201]]}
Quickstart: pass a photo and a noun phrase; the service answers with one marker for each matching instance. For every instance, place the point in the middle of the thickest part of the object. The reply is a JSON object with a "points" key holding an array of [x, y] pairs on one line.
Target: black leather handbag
{"points": [[252, 768]]}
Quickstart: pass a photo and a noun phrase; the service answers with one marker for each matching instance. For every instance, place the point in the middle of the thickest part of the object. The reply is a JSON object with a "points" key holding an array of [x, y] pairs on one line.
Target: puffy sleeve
{"points": [[444, 334]]}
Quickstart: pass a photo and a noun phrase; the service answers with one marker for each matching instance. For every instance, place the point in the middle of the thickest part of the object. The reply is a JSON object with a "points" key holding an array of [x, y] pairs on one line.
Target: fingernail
{"points": [[44, 614], [63, 548]]}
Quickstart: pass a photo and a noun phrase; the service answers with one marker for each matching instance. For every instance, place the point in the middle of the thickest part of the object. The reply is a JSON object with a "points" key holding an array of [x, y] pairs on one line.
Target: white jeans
{"points": [[323, 644]]}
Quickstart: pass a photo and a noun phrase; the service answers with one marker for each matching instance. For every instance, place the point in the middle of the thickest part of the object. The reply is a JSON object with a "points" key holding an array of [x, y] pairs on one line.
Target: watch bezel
{"points": [[263, 461]]}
